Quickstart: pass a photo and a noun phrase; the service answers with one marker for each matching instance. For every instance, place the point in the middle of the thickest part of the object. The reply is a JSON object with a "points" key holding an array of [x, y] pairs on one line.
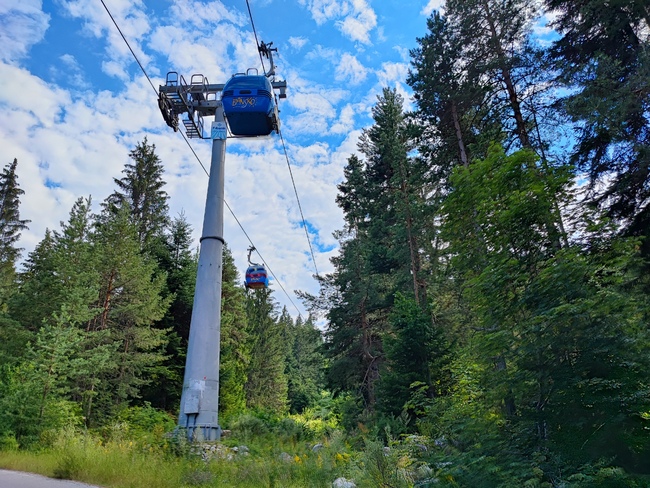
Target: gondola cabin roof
{"points": [[249, 105], [256, 277]]}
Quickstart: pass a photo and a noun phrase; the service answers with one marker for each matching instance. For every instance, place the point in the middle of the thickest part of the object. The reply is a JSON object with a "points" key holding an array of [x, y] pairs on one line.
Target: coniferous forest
{"points": [[487, 316]]}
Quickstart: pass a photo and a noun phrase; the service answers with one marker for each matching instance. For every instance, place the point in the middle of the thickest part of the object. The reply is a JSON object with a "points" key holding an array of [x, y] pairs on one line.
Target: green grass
{"points": [[132, 464]]}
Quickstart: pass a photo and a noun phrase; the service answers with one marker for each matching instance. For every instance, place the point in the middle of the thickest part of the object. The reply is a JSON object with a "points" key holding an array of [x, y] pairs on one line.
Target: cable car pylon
{"points": [[249, 114]]}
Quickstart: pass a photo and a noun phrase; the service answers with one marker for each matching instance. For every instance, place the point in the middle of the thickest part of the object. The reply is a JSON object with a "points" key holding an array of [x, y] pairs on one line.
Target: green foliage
{"points": [[416, 351], [141, 191], [236, 343], [248, 426], [305, 363], [10, 227], [550, 363], [603, 57], [173, 253], [33, 399], [266, 383]]}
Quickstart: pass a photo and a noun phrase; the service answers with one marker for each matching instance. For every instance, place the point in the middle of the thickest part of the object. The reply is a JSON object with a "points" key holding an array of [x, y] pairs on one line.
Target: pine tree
{"points": [[142, 189], [603, 57], [10, 227], [494, 36], [266, 384], [451, 101], [129, 302], [173, 252], [305, 363], [235, 340]]}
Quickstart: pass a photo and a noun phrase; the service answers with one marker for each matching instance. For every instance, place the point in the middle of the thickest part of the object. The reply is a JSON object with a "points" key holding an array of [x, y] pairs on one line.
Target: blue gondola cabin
{"points": [[256, 277], [249, 105]]}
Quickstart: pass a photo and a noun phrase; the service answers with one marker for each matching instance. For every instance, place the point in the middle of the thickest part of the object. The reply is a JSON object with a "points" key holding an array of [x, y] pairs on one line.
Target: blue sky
{"points": [[74, 103]]}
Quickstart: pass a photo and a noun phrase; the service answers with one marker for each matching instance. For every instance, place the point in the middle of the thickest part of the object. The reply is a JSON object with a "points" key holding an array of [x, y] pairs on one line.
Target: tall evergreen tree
{"points": [[61, 273], [416, 352], [494, 36], [603, 57], [10, 227], [305, 363], [129, 302], [451, 101], [236, 341], [384, 208], [173, 252], [266, 384], [142, 189]]}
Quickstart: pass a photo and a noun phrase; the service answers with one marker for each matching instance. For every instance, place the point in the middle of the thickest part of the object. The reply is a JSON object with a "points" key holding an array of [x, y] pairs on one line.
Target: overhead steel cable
{"points": [[257, 44], [129, 46], [199, 159], [302, 216], [286, 154], [265, 263]]}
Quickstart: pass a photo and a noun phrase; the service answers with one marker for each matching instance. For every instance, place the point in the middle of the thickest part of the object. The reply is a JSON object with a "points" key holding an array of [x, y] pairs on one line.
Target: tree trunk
{"points": [[522, 132], [459, 134], [107, 301]]}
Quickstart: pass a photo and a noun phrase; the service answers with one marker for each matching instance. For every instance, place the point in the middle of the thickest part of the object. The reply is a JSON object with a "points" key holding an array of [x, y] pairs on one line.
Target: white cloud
{"points": [[23, 25], [210, 13], [431, 6], [358, 25], [345, 122], [297, 42], [350, 69], [319, 52], [543, 31], [392, 73], [354, 18], [403, 53], [324, 10], [133, 20]]}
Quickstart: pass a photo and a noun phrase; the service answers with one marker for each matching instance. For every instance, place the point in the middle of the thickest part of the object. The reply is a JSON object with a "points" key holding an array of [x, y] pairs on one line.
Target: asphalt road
{"points": [[18, 479]]}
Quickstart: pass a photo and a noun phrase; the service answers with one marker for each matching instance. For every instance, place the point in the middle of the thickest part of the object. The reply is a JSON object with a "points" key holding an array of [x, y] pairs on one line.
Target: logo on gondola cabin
{"points": [[244, 102]]}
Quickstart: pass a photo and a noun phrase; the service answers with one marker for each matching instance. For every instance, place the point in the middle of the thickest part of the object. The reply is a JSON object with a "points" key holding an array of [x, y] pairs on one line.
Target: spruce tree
{"points": [[61, 273], [142, 188], [11, 226], [416, 352], [235, 340], [266, 384], [305, 363], [603, 58], [176, 259]]}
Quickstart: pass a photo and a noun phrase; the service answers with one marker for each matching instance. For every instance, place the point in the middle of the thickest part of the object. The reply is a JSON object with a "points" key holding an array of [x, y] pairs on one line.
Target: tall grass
{"points": [[275, 453], [260, 455]]}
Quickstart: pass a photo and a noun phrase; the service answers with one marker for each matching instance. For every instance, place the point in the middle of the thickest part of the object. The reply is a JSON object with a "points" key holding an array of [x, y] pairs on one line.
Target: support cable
{"points": [[286, 155], [302, 216], [257, 44], [199, 159], [129, 46]]}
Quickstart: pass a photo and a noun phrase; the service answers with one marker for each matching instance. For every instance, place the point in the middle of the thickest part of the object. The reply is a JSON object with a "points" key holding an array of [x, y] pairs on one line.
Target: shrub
{"points": [[247, 427]]}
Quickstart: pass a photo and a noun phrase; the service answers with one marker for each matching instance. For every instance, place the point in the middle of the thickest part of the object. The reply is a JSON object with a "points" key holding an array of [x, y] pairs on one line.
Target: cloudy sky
{"points": [[74, 103]]}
